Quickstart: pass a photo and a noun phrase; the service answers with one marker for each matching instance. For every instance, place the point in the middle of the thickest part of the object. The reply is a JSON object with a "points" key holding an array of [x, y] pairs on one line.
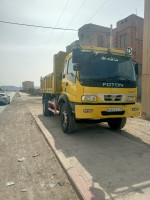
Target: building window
{"points": [[121, 41], [125, 40], [126, 19]]}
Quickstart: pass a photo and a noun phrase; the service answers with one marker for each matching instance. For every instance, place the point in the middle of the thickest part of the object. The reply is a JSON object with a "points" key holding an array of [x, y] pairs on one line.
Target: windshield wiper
{"points": [[121, 78], [109, 78]]}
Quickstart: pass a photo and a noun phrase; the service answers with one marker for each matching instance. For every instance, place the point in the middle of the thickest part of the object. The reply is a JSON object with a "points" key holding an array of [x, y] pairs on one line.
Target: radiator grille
{"points": [[112, 97]]}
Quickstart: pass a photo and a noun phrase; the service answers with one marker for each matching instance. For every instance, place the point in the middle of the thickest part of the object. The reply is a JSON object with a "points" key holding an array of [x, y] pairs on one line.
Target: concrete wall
{"points": [[94, 35], [146, 64]]}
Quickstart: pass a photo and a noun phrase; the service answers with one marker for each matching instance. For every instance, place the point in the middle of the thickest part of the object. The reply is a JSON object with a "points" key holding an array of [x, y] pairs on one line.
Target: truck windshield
{"points": [[106, 68]]}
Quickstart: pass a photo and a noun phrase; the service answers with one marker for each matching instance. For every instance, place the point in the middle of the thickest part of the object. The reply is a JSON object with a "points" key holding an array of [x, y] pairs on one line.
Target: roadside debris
{"points": [[61, 183], [51, 185], [39, 171], [24, 190], [53, 176], [10, 183], [35, 155], [21, 159]]}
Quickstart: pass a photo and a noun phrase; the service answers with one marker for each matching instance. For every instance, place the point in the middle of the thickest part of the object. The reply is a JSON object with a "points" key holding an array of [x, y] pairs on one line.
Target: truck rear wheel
{"points": [[46, 112], [67, 120], [45, 108], [117, 123]]}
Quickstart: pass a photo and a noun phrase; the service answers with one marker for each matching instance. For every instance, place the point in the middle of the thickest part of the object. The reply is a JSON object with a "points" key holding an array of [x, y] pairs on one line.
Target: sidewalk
{"points": [[38, 176]]}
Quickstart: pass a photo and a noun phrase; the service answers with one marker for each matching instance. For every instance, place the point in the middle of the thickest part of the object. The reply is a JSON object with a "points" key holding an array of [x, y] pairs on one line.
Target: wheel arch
{"points": [[63, 99]]}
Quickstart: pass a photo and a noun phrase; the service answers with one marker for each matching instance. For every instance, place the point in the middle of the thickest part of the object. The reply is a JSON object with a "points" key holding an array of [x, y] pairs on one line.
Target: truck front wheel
{"points": [[117, 123], [67, 120]]}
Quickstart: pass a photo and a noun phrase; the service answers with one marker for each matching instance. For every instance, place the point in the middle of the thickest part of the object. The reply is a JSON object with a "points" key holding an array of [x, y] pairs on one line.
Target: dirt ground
{"points": [[27, 160], [116, 164]]}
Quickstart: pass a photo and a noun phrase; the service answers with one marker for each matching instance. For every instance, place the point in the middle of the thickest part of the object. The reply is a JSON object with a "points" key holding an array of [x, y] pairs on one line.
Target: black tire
{"points": [[67, 120], [117, 123], [50, 112], [45, 108], [46, 112]]}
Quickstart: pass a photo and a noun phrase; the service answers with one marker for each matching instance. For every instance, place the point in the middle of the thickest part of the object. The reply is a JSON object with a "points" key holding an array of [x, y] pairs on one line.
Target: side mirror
{"points": [[63, 76], [76, 53], [76, 67], [136, 69]]}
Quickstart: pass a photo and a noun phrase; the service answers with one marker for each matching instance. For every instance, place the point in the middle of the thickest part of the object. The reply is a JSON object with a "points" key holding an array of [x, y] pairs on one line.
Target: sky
{"points": [[26, 53]]}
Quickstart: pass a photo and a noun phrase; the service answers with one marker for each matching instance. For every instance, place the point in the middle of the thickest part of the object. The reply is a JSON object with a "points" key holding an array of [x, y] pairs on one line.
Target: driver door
{"points": [[71, 87]]}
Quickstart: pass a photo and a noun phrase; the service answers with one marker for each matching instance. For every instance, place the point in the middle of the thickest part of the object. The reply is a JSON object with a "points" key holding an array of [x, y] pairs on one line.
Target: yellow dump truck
{"points": [[91, 84]]}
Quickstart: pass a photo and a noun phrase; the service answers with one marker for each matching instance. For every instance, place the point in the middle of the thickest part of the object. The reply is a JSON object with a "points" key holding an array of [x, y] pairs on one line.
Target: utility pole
{"points": [[146, 64]]}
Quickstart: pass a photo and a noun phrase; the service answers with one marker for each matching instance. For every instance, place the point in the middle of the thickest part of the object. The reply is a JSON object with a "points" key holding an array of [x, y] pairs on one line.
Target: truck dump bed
{"points": [[52, 83]]}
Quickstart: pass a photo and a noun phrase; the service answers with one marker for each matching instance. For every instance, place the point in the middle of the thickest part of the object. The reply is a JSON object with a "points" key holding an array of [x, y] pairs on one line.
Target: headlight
{"points": [[89, 98], [131, 98]]}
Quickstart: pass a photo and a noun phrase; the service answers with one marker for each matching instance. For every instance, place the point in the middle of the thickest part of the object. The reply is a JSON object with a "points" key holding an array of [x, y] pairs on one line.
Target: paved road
{"points": [[2, 107], [116, 167]]}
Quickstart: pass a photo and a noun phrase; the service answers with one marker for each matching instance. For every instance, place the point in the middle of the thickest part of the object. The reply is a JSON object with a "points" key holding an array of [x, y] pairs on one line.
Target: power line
{"points": [[92, 16], [77, 12], [51, 35], [62, 12], [38, 26], [59, 19], [98, 9]]}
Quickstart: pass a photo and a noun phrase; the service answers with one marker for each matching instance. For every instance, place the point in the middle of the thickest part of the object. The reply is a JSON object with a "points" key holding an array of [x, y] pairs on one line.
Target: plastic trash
{"points": [[51, 185], [21, 159], [35, 155], [61, 183], [10, 183], [23, 190]]}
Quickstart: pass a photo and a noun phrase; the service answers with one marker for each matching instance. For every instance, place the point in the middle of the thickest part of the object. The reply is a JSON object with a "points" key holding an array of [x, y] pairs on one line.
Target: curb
{"points": [[81, 184]]}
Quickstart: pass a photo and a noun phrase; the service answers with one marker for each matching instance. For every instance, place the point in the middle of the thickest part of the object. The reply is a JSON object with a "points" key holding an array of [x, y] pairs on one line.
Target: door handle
{"points": [[66, 83]]}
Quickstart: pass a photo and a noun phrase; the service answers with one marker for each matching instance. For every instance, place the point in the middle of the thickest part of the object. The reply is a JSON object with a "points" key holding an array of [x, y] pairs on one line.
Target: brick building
{"points": [[128, 33], [94, 35], [73, 45]]}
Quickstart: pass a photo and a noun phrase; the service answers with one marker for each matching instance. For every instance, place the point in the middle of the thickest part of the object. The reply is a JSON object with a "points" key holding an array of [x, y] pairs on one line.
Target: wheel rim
{"points": [[64, 120]]}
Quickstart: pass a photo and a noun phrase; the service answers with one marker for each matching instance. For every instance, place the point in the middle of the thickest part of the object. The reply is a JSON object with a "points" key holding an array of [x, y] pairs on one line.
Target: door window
{"points": [[71, 74], [64, 69]]}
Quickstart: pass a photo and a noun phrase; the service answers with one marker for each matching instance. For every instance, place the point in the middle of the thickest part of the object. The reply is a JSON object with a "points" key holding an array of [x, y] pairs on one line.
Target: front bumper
{"points": [[100, 111]]}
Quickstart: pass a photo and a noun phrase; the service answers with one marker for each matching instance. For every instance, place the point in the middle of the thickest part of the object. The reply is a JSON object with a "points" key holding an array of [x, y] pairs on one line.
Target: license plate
{"points": [[114, 109]]}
